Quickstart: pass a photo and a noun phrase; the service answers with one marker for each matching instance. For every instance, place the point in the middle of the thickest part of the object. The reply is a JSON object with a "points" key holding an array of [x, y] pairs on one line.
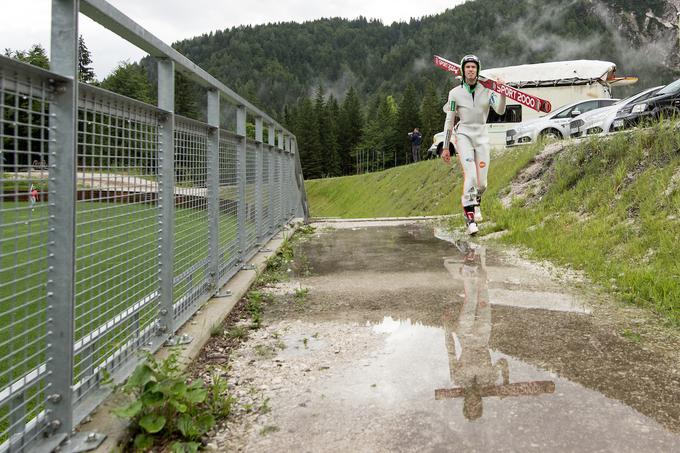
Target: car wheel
{"points": [[551, 134]]}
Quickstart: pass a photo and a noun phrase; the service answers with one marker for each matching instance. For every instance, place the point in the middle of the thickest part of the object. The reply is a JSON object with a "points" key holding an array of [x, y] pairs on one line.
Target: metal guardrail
{"points": [[118, 220]]}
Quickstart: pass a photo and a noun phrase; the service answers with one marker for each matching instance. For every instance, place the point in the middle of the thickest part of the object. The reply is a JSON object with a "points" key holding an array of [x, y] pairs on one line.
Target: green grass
{"points": [[425, 188], [611, 209], [116, 267]]}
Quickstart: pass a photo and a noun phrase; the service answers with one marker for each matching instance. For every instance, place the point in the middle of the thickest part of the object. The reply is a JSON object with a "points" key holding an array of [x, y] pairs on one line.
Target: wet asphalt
{"points": [[472, 352]]}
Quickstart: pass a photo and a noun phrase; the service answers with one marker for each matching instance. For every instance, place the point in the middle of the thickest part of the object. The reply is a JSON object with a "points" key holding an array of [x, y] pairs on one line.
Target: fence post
{"points": [[214, 186], [259, 184], [241, 179], [166, 195], [62, 219], [300, 184]]}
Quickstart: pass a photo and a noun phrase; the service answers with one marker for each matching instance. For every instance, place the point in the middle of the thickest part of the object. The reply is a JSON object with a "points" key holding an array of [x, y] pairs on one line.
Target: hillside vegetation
{"points": [[277, 64], [608, 206]]}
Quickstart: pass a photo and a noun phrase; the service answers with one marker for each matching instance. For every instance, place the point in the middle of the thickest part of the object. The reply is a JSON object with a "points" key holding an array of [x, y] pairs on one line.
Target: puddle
{"points": [[412, 342]]}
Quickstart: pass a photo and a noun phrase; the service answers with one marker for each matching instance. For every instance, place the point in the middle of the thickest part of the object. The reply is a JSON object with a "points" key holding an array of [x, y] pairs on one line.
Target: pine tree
{"points": [[431, 115], [350, 129], [333, 115], [408, 118], [321, 129], [129, 79], [186, 95], [36, 56], [85, 71], [308, 140], [377, 144]]}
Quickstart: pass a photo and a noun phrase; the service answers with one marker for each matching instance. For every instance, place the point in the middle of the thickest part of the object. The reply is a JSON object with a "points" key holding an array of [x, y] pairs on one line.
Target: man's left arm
{"points": [[497, 101]]}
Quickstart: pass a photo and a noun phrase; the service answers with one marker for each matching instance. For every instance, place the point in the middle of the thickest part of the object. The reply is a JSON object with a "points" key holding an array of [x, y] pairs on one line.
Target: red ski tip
{"points": [[546, 107]]}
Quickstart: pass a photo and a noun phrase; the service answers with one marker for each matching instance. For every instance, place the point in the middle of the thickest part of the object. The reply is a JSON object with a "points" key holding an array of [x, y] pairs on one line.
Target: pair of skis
{"points": [[533, 102]]}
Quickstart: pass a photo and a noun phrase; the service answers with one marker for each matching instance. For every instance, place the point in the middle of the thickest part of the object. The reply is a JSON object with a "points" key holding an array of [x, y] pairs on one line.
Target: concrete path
{"points": [[402, 338]]}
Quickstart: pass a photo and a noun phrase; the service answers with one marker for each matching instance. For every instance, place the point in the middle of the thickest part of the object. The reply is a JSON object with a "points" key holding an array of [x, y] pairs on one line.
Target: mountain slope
{"points": [[276, 64]]}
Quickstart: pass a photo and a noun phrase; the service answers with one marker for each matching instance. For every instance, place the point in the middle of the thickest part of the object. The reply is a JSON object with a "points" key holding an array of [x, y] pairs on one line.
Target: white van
{"points": [[560, 82]]}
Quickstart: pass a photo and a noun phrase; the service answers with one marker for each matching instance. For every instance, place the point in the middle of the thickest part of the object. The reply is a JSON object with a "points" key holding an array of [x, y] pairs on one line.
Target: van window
{"points": [[513, 114]]}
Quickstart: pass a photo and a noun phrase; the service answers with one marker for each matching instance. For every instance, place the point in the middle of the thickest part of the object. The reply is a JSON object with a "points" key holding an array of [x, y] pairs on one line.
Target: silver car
{"points": [[600, 120], [553, 125]]}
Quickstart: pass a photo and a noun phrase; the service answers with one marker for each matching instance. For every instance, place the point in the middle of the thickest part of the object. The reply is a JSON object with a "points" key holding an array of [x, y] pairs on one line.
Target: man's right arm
{"points": [[450, 109]]}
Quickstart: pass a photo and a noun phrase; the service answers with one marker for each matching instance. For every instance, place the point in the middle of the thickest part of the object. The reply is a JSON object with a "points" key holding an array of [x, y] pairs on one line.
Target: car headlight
{"points": [[639, 108]]}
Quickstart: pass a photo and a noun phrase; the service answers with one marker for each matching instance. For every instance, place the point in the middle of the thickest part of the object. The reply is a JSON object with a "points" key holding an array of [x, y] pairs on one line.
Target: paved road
{"points": [[411, 340]]}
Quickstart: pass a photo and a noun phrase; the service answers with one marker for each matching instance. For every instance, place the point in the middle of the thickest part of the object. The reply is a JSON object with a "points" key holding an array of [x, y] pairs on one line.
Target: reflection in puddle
{"points": [[499, 344], [467, 335]]}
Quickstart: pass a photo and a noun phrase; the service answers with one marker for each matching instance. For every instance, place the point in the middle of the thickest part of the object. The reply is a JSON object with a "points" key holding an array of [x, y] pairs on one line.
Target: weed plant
{"points": [[165, 408]]}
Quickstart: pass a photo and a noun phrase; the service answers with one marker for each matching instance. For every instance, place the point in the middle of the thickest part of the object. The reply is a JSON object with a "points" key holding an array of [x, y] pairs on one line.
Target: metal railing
{"points": [[118, 220]]}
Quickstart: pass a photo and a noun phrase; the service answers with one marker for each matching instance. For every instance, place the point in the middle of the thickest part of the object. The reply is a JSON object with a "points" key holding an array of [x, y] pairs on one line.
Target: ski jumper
{"points": [[471, 106]]}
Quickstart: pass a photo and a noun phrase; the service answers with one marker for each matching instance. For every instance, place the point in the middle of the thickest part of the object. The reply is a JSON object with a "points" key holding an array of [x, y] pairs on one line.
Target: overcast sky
{"points": [[26, 22]]}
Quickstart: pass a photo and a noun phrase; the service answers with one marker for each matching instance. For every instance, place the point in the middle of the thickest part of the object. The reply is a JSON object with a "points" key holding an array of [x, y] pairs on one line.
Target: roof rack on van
{"points": [[560, 73]]}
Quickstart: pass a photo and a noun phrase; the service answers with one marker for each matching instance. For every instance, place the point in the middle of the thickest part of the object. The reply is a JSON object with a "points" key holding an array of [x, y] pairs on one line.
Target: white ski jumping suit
{"points": [[471, 106]]}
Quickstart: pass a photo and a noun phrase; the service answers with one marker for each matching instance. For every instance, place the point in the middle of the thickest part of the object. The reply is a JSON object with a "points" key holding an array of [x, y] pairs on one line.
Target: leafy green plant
{"points": [[300, 296], [255, 306], [239, 332], [216, 330], [165, 406], [219, 401]]}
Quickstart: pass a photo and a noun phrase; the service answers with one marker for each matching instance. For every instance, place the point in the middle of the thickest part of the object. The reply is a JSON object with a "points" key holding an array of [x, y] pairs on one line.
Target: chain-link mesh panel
{"points": [[266, 191], [275, 188], [291, 185], [251, 197], [228, 194], [117, 288], [24, 137], [286, 186], [191, 215]]}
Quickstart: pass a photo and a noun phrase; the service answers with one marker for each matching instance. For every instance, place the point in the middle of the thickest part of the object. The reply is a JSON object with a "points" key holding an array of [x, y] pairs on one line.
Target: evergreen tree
{"points": [[186, 97], [22, 121], [408, 118], [377, 143], [36, 56], [321, 129], [333, 115], [350, 129], [431, 114], [308, 140], [85, 71], [129, 79]]}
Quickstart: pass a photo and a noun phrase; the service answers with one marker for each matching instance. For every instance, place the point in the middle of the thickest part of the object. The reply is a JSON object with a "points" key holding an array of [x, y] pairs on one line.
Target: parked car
{"points": [[553, 125], [665, 103], [600, 120], [435, 150]]}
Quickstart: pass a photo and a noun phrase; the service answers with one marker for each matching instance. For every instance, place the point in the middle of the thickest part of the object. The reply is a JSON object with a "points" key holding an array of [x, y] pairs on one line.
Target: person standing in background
{"points": [[416, 139]]}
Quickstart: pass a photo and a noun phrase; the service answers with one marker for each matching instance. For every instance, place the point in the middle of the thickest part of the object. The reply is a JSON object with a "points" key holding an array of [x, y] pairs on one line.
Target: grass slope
{"points": [[612, 209], [425, 188]]}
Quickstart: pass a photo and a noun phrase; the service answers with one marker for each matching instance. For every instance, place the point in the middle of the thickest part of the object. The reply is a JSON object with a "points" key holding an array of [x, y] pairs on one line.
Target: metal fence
{"points": [[118, 220]]}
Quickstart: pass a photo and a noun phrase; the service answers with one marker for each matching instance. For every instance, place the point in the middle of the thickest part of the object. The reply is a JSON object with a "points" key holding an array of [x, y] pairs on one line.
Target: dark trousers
{"points": [[415, 150]]}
